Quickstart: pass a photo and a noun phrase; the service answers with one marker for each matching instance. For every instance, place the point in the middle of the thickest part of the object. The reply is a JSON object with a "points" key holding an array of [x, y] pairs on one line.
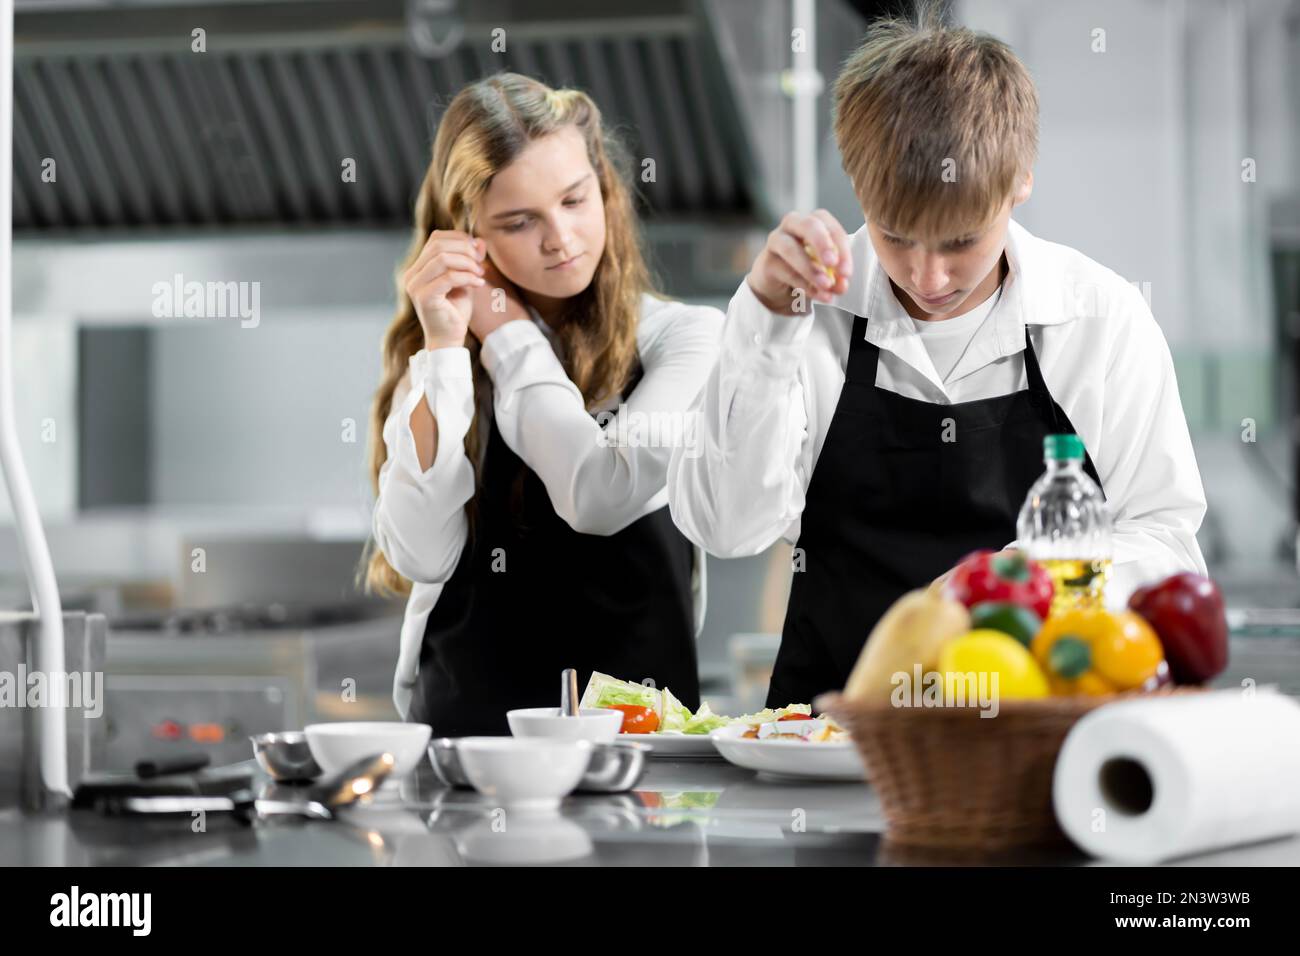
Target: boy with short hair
{"points": [[897, 422]]}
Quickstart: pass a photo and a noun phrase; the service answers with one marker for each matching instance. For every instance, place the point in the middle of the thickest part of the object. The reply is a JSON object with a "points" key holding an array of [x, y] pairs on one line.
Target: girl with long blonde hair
{"points": [[528, 532]]}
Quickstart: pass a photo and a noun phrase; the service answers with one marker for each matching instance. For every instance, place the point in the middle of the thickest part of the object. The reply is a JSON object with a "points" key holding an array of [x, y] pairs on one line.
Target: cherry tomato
{"points": [[638, 720]]}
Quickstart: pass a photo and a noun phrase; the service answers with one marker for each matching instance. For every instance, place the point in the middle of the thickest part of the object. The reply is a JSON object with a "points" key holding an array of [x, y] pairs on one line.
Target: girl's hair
{"points": [[936, 125], [485, 127]]}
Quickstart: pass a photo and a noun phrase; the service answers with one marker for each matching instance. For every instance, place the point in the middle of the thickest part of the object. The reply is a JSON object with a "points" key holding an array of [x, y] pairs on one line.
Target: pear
{"points": [[912, 631]]}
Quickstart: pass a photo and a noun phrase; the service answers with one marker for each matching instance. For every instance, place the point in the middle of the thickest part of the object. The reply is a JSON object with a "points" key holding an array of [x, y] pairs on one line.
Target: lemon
{"points": [[985, 651]]}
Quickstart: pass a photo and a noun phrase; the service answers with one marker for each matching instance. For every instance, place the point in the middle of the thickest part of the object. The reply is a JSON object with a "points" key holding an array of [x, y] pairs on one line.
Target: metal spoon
{"points": [[353, 782], [569, 693]]}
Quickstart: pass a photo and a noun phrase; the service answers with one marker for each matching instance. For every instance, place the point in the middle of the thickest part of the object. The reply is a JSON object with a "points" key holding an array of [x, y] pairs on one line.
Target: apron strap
{"points": [[1033, 373], [1039, 396], [863, 356]]}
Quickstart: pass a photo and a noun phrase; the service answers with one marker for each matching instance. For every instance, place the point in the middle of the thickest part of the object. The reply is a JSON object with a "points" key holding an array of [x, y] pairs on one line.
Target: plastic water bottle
{"points": [[1064, 525]]}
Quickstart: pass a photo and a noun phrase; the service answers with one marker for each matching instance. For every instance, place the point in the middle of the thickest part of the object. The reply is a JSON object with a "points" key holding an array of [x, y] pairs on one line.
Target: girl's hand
{"points": [[495, 303], [440, 282]]}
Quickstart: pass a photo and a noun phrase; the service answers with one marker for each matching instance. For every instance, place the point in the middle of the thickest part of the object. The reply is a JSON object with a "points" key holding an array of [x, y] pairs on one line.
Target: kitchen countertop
{"points": [[689, 812]]}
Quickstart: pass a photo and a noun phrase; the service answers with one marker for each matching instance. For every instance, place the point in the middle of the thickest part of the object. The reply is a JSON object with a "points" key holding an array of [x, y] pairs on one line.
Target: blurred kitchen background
{"points": [[202, 481]]}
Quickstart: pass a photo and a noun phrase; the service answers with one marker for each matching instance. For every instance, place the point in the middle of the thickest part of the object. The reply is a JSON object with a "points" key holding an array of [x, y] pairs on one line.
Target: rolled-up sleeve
{"points": [[419, 517]]}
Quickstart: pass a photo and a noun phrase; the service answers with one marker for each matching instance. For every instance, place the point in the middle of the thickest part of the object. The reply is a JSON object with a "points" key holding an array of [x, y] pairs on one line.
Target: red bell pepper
{"points": [[1186, 612], [988, 575]]}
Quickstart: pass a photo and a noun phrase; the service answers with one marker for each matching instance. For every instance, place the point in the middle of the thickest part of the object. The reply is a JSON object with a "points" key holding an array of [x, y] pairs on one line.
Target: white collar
{"points": [[1031, 269]]}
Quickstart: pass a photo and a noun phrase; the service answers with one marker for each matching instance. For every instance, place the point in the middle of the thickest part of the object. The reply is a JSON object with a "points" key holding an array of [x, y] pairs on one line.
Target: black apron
{"points": [[892, 505], [530, 596]]}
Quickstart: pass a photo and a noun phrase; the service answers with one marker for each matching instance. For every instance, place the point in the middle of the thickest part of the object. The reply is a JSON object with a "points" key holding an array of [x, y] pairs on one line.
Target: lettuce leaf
{"points": [[768, 714], [675, 715], [605, 691], [705, 721]]}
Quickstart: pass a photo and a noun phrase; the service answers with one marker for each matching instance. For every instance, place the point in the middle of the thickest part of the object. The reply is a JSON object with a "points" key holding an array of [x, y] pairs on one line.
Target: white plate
{"points": [[674, 745], [838, 760]]}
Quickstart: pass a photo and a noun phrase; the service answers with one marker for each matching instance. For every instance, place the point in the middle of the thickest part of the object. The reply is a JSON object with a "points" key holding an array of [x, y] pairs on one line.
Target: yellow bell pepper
{"points": [[1091, 651]]}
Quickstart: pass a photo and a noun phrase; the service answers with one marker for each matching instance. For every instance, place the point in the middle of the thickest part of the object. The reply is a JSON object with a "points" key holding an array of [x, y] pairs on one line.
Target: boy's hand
{"points": [[785, 275], [936, 586]]}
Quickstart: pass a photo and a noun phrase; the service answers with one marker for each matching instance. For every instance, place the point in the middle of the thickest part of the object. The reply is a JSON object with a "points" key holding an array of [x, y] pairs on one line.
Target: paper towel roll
{"points": [[1147, 780]]}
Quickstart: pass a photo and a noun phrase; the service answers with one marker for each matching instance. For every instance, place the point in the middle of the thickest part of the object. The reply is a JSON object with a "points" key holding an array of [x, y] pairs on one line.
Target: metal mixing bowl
{"points": [[446, 763], [614, 767]]}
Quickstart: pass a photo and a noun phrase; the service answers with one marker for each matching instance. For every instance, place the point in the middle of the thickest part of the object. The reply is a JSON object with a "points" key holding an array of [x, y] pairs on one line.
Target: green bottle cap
{"points": [[1062, 447]]}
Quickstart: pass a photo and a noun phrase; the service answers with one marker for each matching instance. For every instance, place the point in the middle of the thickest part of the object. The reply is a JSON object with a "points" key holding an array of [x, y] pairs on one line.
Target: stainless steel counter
{"points": [[684, 813]]}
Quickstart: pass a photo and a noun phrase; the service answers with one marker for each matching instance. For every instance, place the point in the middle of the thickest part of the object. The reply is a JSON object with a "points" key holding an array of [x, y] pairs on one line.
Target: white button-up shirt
{"points": [[595, 483], [766, 408]]}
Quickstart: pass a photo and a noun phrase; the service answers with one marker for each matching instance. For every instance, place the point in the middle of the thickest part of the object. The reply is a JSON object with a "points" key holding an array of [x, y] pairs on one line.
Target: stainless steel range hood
{"points": [[146, 133], [241, 145]]}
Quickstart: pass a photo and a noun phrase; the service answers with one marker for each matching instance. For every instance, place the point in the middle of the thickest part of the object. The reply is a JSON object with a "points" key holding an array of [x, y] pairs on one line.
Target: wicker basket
{"points": [[949, 778]]}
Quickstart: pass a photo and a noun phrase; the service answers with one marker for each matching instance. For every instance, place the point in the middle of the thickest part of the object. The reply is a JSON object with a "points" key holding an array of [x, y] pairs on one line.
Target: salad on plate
{"points": [[656, 711]]}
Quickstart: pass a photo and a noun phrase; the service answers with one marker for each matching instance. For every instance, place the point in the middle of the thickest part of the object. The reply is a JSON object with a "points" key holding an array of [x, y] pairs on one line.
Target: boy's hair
{"points": [[936, 125]]}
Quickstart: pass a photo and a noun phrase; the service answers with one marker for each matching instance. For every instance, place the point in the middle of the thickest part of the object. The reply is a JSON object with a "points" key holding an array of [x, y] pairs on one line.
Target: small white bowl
{"points": [[600, 725], [524, 773], [337, 745]]}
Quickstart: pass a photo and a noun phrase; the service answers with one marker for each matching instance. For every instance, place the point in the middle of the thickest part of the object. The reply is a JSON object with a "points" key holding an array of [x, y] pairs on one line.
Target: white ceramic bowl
{"points": [[600, 725], [524, 773], [337, 745]]}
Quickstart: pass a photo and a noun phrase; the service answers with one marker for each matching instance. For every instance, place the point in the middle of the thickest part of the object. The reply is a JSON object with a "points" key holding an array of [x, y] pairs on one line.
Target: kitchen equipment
{"points": [[525, 774], [358, 779], [104, 790], [42, 736], [948, 777], [614, 768], [207, 678], [286, 756], [446, 763], [162, 766], [354, 783], [336, 746], [98, 787], [596, 724], [568, 693], [1150, 780], [22, 779], [242, 805]]}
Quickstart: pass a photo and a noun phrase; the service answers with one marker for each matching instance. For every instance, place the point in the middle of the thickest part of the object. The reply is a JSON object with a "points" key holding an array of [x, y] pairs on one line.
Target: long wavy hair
{"points": [[485, 127]]}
